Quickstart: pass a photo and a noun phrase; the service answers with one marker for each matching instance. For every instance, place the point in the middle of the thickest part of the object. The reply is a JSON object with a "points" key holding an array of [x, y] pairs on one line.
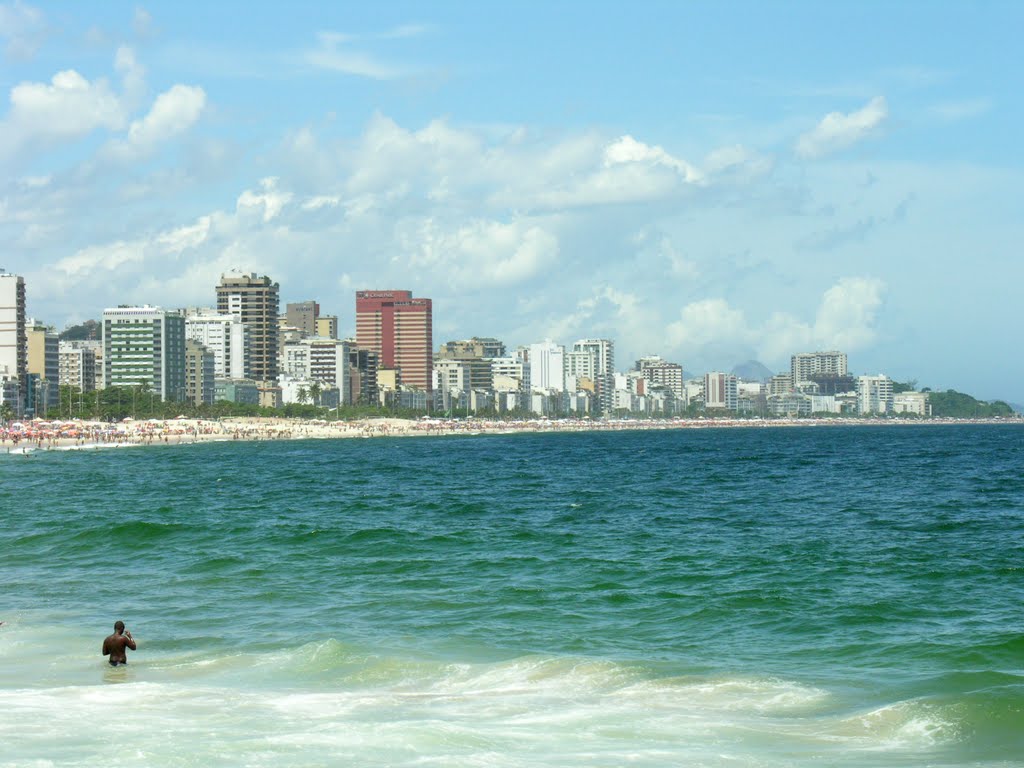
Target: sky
{"points": [[708, 182]]}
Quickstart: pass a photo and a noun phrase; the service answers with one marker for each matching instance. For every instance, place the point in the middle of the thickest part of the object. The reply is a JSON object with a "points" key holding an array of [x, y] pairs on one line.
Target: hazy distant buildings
{"points": [[254, 300], [144, 347], [399, 328]]}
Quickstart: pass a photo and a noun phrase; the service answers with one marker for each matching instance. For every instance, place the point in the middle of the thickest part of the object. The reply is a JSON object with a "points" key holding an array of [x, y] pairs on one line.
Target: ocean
{"points": [[841, 596]]}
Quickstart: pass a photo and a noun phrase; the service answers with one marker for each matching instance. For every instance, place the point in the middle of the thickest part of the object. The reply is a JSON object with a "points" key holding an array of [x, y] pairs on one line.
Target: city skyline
{"points": [[683, 187]]}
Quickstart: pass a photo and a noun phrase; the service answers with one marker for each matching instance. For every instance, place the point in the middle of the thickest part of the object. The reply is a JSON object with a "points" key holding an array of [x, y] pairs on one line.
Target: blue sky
{"points": [[710, 182]]}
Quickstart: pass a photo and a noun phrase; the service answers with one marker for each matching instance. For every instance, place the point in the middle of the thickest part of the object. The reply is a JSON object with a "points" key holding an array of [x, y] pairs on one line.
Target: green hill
{"points": [[957, 405]]}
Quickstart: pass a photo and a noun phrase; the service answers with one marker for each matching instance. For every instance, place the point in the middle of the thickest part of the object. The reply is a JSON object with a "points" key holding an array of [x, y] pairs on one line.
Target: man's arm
{"points": [[106, 646], [128, 640]]}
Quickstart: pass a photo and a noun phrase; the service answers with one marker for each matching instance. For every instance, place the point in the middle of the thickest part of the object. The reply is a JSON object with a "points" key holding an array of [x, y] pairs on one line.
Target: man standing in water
{"points": [[114, 646]]}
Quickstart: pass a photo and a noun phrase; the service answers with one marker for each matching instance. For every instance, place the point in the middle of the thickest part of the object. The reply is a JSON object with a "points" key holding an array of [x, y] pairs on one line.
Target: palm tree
{"points": [[302, 395], [315, 391]]}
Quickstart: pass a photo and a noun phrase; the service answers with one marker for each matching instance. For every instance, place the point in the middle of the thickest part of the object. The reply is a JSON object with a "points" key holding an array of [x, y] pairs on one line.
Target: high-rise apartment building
{"points": [[665, 374], [145, 347], [254, 301], [547, 366], [327, 326], [226, 336], [43, 363], [807, 364], [13, 341], [199, 373], [721, 390], [77, 364], [303, 315], [400, 330], [602, 354], [874, 394]]}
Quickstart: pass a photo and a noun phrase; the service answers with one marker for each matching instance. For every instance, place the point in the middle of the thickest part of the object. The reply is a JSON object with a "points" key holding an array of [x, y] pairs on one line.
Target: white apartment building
{"points": [[721, 390], [77, 364], [547, 366], [807, 364], [912, 402], [145, 346], [670, 375], [320, 359], [874, 394], [508, 374], [224, 335], [13, 339], [451, 377]]}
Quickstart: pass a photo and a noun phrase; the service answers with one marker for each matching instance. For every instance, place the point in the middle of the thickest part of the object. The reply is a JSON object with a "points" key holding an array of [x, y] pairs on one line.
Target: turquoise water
{"points": [[845, 596]]}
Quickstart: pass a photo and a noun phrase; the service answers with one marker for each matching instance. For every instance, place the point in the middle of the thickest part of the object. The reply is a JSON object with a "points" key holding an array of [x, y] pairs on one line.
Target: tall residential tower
{"points": [[254, 300]]}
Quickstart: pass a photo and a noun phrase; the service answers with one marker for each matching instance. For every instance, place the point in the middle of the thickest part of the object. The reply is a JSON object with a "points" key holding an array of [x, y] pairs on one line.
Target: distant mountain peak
{"points": [[752, 370]]}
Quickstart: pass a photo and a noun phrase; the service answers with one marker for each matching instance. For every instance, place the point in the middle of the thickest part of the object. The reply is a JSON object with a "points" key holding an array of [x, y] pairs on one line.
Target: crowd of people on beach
{"points": [[23, 437]]}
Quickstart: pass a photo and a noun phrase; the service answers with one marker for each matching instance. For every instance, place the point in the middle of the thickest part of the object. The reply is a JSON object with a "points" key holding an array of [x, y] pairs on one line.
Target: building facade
{"points": [[13, 340], [721, 391], [226, 336], [77, 364], [547, 367], [303, 315], [399, 328], [200, 373], [874, 394], [254, 300], [43, 362], [144, 347], [806, 364]]}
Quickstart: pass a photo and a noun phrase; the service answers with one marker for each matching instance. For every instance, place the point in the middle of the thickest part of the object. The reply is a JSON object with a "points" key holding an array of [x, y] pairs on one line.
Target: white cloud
{"points": [[133, 75], [331, 55], [174, 112], [480, 252], [69, 106], [22, 27], [846, 319], [838, 131], [269, 202]]}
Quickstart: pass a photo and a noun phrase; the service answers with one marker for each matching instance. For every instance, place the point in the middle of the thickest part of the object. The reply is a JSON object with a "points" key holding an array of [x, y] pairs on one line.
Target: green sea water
{"points": [[848, 596]]}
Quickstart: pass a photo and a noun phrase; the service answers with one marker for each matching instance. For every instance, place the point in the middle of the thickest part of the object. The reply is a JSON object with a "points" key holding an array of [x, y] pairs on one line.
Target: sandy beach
{"points": [[25, 437]]}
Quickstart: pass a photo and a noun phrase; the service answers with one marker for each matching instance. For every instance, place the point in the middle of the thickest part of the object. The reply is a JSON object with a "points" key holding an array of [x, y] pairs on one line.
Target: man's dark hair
{"points": [[119, 626]]}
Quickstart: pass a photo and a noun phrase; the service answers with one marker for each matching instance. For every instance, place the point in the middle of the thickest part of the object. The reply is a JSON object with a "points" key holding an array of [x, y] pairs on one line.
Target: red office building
{"points": [[400, 330]]}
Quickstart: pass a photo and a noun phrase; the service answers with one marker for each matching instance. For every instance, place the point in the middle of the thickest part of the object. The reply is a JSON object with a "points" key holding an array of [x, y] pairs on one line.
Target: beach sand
{"points": [[25, 437]]}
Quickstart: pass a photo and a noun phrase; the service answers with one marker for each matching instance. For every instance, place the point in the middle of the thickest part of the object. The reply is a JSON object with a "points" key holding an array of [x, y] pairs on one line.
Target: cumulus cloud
{"points": [[173, 113], [481, 252], [69, 106], [268, 202], [837, 131], [846, 319]]}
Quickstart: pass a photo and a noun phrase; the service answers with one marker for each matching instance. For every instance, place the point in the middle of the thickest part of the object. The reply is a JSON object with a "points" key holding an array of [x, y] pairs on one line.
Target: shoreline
{"points": [[29, 437]]}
